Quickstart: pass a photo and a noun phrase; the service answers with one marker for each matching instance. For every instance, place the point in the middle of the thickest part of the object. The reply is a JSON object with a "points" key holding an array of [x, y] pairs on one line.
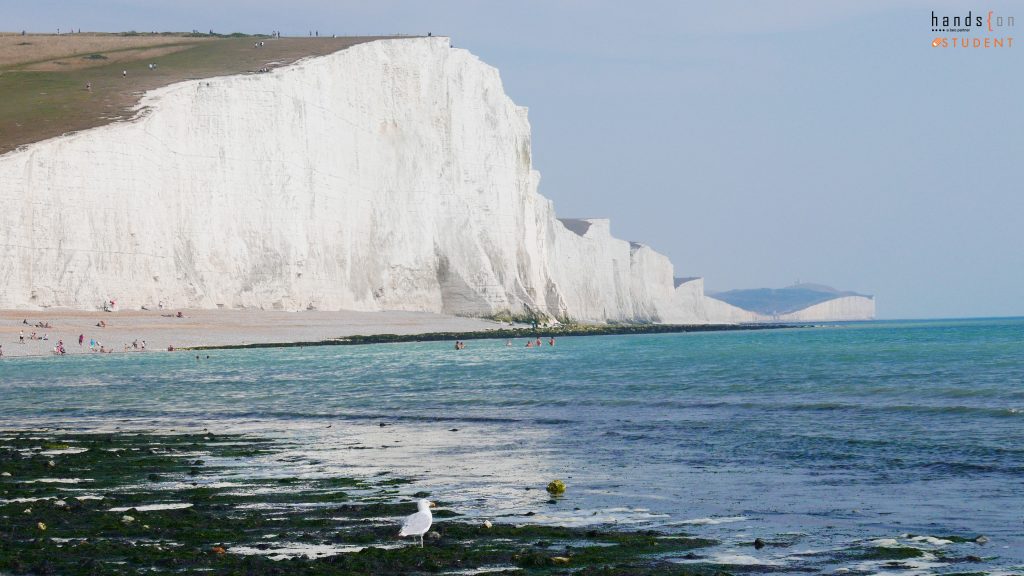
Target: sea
{"points": [[826, 442]]}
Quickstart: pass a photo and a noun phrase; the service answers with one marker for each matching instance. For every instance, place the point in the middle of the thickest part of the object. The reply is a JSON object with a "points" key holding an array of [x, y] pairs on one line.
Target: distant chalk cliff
{"points": [[800, 303]]}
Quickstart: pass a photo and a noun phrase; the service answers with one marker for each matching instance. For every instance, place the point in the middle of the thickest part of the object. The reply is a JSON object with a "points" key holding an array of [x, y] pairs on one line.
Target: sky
{"points": [[755, 143]]}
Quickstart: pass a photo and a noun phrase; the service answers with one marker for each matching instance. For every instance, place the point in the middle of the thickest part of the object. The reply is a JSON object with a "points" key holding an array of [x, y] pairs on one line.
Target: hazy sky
{"points": [[755, 143]]}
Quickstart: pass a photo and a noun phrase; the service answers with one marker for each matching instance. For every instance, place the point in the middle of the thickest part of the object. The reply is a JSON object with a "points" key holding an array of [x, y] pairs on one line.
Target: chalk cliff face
{"points": [[690, 305], [797, 303], [394, 174], [843, 308]]}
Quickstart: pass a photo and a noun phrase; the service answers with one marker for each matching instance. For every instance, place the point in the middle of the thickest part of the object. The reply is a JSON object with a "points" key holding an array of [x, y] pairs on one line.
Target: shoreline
{"points": [[511, 333], [134, 331]]}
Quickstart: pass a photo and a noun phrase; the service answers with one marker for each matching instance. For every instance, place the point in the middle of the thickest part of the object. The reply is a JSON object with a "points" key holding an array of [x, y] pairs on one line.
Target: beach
{"points": [[160, 329]]}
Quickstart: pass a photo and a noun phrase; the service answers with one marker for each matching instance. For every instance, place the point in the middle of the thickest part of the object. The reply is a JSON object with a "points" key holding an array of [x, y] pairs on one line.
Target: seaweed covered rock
{"points": [[556, 487]]}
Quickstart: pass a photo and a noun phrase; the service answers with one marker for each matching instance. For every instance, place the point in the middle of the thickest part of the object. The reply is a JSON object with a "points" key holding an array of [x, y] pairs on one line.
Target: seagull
{"points": [[417, 524]]}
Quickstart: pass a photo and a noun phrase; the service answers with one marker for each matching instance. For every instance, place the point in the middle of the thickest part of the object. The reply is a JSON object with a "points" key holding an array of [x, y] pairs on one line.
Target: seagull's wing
{"points": [[416, 524]]}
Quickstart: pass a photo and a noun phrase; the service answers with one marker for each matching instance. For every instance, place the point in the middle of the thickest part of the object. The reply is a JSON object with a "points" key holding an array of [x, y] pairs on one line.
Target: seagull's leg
{"points": [[421, 540]]}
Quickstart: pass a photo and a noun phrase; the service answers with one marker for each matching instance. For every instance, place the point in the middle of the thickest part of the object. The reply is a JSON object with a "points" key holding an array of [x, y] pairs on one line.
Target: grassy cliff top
{"points": [[43, 77]]}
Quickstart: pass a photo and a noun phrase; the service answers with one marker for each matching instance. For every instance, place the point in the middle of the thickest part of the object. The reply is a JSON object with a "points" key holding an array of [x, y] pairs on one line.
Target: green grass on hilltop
{"points": [[43, 77]]}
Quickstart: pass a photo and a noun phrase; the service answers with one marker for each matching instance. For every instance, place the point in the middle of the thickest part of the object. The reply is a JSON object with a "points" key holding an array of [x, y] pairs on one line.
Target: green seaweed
{"points": [[509, 333], [130, 470], [892, 553]]}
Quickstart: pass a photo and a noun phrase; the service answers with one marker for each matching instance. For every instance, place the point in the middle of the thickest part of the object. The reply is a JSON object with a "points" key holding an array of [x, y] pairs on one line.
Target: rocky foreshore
{"points": [[166, 502]]}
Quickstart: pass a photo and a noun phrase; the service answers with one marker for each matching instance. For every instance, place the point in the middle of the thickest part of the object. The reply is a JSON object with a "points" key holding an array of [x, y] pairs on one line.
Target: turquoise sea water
{"points": [[825, 442]]}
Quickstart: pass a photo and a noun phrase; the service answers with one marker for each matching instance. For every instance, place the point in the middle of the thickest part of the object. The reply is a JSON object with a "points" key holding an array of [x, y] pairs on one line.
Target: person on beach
{"points": [[508, 343], [81, 339], [538, 342], [21, 337], [529, 343], [1, 350], [551, 341]]}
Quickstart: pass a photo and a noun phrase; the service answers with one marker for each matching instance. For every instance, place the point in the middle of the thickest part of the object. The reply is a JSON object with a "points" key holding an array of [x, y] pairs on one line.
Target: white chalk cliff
{"points": [[805, 302], [842, 308], [394, 174]]}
